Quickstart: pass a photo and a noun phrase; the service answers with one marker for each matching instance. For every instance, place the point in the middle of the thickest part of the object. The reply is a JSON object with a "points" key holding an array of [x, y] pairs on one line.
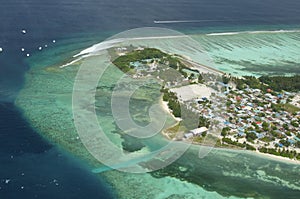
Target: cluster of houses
{"points": [[241, 112], [252, 111], [259, 112]]}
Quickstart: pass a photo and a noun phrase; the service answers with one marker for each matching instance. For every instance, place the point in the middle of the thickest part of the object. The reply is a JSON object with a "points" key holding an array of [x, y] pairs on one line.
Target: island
{"points": [[226, 172], [260, 114]]}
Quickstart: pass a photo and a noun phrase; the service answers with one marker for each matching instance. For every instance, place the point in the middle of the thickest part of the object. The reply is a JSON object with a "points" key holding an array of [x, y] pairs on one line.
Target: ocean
{"points": [[30, 166]]}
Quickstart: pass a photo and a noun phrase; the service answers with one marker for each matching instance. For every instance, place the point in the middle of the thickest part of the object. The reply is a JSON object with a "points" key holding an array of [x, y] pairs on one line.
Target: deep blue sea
{"points": [[30, 167]]}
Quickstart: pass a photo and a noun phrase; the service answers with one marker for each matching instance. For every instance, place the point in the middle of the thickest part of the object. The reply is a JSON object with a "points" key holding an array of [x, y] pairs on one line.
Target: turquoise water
{"points": [[75, 25], [46, 102], [254, 52]]}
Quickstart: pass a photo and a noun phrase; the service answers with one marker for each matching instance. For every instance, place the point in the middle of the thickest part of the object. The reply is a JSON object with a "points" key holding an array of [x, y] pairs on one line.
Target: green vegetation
{"points": [[174, 105], [267, 139], [225, 131], [238, 144], [123, 62], [203, 122], [200, 79], [226, 79], [229, 141], [290, 108], [173, 102], [250, 136], [175, 130], [250, 147], [294, 123], [276, 83], [250, 81], [265, 126], [284, 142], [189, 118], [198, 139], [278, 152], [284, 107]]}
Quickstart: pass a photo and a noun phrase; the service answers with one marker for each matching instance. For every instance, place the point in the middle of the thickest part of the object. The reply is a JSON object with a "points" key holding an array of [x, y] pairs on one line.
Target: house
{"points": [[296, 138], [249, 108], [241, 134], [269, 90], [227, 123], [291, 141], [280, 145], [260, 135], [258, 123]]}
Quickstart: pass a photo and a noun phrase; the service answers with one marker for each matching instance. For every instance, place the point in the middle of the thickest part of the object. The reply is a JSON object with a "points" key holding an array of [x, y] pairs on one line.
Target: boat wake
{"points": [[187, 21]]}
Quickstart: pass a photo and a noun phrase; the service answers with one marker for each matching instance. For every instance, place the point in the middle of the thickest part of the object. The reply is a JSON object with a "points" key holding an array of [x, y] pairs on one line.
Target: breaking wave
{"points": [[253, 32]]}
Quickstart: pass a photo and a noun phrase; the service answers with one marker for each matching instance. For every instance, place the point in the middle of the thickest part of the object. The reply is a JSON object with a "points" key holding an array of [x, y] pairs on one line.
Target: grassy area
{"points": [[291, 108], [285, 107], [175, 131]]}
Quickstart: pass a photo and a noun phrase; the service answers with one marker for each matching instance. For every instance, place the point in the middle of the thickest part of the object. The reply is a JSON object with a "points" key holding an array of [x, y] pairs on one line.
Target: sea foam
{"points": [[253, 32]]}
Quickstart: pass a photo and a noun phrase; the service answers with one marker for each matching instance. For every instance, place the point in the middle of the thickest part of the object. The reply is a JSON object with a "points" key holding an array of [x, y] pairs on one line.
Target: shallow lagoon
{"points": [[254, 52]]}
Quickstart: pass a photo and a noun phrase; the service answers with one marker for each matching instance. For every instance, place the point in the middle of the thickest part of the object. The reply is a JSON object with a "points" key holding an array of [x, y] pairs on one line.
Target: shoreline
{"points": [[164, 106], [200, 67], [255, 153], [207, 69]]}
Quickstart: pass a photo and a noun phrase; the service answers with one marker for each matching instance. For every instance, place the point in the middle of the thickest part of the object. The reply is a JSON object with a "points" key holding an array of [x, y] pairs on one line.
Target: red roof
{"points": [[238, 98], [269, 90]]}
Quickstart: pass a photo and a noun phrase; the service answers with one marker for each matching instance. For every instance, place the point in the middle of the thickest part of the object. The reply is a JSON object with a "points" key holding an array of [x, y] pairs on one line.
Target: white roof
{"points": [[188, 135], [199, 130]]}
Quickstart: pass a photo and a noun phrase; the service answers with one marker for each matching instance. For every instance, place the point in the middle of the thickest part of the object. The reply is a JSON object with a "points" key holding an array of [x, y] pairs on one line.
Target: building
{"points": [[188, 135], [198, 131]]}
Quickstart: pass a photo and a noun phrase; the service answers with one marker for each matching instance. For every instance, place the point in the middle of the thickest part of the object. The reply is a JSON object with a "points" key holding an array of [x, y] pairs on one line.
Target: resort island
{"points": [[260, 114]]}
